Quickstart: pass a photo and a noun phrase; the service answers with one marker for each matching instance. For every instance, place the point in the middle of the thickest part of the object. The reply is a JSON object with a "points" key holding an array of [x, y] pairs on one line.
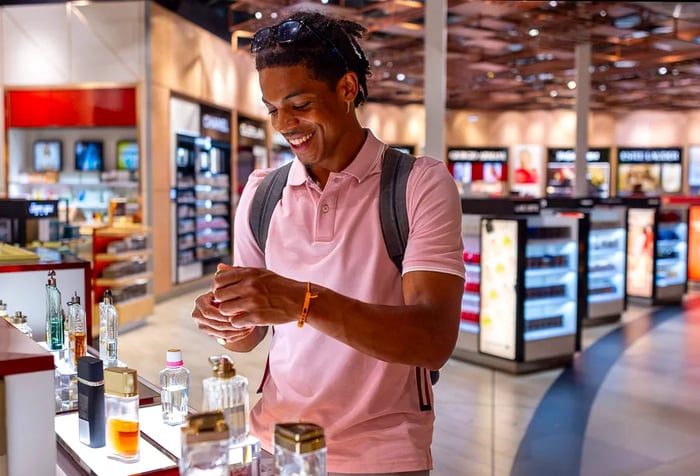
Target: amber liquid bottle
{"points": [[76, 332], [122, 413]]}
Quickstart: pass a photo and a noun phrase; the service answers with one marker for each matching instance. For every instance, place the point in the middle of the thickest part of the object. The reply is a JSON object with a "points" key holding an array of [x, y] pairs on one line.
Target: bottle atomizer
{"points": [[300, 450], [227, 392], [109, 320], [54, 314], [76, 329], [19, 320], [122, 413], [204, 445]]}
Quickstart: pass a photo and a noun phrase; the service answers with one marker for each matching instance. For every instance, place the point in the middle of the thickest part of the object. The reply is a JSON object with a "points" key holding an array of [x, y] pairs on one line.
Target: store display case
{"points": [[657, 251], [186, 265]]}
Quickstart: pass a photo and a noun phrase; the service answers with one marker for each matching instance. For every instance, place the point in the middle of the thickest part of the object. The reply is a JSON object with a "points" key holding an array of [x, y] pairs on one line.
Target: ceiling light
{"points": [[552, 4], [258, 15], [662, 70], [603, 13], [553, 93], [571, 84], [625, 64], [490, 75], [533, 32], [473, 118], [325, 2], [518, 78], [675, 72], [386, 74], [400, 76], [273, 15], [602, 87], [377, 62], [603, 68]]}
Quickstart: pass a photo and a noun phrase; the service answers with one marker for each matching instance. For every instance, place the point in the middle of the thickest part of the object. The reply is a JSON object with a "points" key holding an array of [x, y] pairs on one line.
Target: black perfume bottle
{"points": [[91, 401]]}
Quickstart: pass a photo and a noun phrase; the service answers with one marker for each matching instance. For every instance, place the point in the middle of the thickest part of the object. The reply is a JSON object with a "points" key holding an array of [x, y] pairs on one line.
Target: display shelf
{"points": [[124, 256], [137, 278]]}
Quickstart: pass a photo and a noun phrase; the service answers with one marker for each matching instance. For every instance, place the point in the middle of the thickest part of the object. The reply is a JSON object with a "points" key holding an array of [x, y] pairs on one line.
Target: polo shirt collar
{"points": [[366, 162]]}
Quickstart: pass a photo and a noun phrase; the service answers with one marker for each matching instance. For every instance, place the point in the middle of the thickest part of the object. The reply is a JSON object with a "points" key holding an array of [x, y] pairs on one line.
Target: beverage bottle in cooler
{"points": [[174, 388]]}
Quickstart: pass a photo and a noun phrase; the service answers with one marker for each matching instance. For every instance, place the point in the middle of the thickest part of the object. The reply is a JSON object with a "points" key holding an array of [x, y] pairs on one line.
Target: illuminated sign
{"points": [[41, 209], [250, 131], [216, 123], [477, 155]]}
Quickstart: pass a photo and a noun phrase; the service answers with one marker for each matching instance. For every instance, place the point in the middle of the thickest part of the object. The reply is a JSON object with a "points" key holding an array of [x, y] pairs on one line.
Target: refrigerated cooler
{"points": [[657, 251], [527, 291]]}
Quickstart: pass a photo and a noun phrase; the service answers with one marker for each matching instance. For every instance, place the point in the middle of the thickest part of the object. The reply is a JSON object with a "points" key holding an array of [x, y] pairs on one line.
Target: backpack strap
{"points": [[268, 193], [393, 214]]}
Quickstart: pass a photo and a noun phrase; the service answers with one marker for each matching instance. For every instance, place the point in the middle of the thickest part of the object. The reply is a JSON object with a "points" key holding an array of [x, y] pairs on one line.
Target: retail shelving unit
{"points": [[120, 260], [520, 305], [185, 209], [213, 196]]}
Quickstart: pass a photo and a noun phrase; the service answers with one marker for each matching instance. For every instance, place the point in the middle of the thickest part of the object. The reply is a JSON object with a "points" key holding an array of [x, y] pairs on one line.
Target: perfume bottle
{"points": [[91, 401], [122, 413], [204, 445], [227, 392], [109, 320], [54, 314], [19, 320], [174, 388], [76, 329], [300, 450], [3, 311]]}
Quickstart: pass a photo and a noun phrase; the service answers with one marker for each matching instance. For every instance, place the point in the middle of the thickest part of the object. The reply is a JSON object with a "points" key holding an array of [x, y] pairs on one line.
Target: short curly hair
{"points": [[316, 55]]}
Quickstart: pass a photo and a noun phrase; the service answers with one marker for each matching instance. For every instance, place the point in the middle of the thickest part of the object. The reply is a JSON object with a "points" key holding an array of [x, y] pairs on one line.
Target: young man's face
{"points": [[311, 115]]}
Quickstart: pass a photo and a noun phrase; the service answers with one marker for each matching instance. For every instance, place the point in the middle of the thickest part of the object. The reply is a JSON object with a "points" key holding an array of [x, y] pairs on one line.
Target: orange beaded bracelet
{"points": [[305, 308]]}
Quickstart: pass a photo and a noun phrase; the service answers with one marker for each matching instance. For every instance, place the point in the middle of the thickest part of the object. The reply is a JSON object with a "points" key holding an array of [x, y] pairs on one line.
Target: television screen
{"points": [[127, 155], [47, 155], [88, 155]]}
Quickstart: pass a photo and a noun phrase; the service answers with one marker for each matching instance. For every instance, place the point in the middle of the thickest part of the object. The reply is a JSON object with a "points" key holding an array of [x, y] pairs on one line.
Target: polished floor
{"points": [[629, 405]]}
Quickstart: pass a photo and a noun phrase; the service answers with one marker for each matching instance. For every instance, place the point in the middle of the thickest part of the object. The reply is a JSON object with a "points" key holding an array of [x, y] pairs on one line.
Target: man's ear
{"points": [[348, 87]]}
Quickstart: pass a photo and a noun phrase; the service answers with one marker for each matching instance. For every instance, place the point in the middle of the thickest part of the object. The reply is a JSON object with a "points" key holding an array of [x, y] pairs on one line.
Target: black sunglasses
{"points": [[288, 32]]}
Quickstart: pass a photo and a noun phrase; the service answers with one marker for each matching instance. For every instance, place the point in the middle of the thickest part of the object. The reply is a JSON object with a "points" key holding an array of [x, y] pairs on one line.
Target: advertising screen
{"points": [[694, 169], [561, 172], [88, 155], [47, 155], [479, 171], [526, 170], [649, 171], [127, 155], [640, 252]]}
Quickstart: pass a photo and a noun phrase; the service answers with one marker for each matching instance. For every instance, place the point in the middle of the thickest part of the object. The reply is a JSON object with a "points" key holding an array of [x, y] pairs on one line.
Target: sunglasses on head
{"points": [[288, 32]]}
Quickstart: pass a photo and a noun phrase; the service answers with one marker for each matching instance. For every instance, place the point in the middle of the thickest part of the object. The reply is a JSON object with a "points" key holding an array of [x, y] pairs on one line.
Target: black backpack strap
{"points": [[393, 214], [268, 193]]}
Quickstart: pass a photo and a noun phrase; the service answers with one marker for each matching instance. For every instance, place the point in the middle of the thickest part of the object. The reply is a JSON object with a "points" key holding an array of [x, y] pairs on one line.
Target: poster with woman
{"points": [[526, 170]]}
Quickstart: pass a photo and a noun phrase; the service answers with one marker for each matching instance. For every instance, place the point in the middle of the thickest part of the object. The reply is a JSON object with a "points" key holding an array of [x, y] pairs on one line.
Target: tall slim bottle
{"points": [[174, 388], [109, 321], [76, 329], [54, 316]]}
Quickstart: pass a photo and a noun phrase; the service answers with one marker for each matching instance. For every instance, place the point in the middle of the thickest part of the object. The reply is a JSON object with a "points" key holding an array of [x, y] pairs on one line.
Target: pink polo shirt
{"points": [[377, 416]]}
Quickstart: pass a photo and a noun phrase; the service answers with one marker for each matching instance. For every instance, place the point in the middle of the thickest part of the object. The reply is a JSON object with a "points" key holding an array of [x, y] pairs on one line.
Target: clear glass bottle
{"points": [[76, 329], [204, 445], [122, 413], [109, 320], [19, 320], [227, 392], [174, 388], [300, 450], [54, 314], [3, 311]]}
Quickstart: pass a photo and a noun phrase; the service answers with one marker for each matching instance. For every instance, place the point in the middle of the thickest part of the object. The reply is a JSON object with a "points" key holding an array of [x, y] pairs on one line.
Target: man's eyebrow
{"points": [[288, 96]]}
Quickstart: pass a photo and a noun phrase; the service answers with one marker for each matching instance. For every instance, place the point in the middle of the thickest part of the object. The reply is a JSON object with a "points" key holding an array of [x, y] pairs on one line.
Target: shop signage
{"points": [[251, 131], [39, 209], [569, 155], [215, 123], [638, 156], [477, 154], [526, 208]]}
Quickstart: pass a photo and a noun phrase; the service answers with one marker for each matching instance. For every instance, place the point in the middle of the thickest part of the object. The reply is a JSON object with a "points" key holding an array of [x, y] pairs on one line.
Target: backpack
{"points": [[393, 215]]}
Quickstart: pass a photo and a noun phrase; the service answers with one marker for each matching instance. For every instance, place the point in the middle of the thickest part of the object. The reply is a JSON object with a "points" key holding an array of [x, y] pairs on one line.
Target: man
{"points": [[352, 339]]}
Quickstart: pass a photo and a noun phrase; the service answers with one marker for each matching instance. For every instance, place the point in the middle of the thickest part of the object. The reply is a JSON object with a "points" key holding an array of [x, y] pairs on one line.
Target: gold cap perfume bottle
{"points": [[122, 413], [300, 448]]}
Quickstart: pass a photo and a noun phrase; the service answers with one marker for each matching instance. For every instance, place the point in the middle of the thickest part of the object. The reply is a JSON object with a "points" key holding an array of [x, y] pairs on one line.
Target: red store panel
{"points": [[71, 108]]}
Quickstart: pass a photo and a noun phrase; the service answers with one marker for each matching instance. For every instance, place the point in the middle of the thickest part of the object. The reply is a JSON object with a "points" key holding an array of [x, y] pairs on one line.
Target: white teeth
{"points": [[300, 140]]}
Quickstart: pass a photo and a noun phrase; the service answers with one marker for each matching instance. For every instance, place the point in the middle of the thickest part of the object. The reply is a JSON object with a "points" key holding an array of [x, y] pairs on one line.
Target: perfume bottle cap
{"points": [[3, 305], [90, 369], [52, 278], [19, 318], [299, 437], [121, 381], [107, 297], [222, 365], [205, 426], [76, 298], [173, 358]]}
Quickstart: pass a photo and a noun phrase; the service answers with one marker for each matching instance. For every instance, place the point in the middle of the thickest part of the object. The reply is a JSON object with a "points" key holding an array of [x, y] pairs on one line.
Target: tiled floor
{"points": [[630, 404]]}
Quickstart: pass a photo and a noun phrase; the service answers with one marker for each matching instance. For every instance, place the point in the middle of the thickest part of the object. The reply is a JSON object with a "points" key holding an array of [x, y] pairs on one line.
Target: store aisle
{"points": [[630, 405]]}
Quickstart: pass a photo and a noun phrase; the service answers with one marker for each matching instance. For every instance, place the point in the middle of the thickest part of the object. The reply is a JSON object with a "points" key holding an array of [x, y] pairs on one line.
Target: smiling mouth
{"points": [[297, 141]]}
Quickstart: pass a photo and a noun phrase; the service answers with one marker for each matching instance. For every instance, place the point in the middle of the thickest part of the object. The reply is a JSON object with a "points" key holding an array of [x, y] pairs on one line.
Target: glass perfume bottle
{"points": [[174, 388], [76, 329], [19, 320], [54, 314], [3, 311], [109, 320], [204, 445], [122, 413], [300, 450], [227, 392]]}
